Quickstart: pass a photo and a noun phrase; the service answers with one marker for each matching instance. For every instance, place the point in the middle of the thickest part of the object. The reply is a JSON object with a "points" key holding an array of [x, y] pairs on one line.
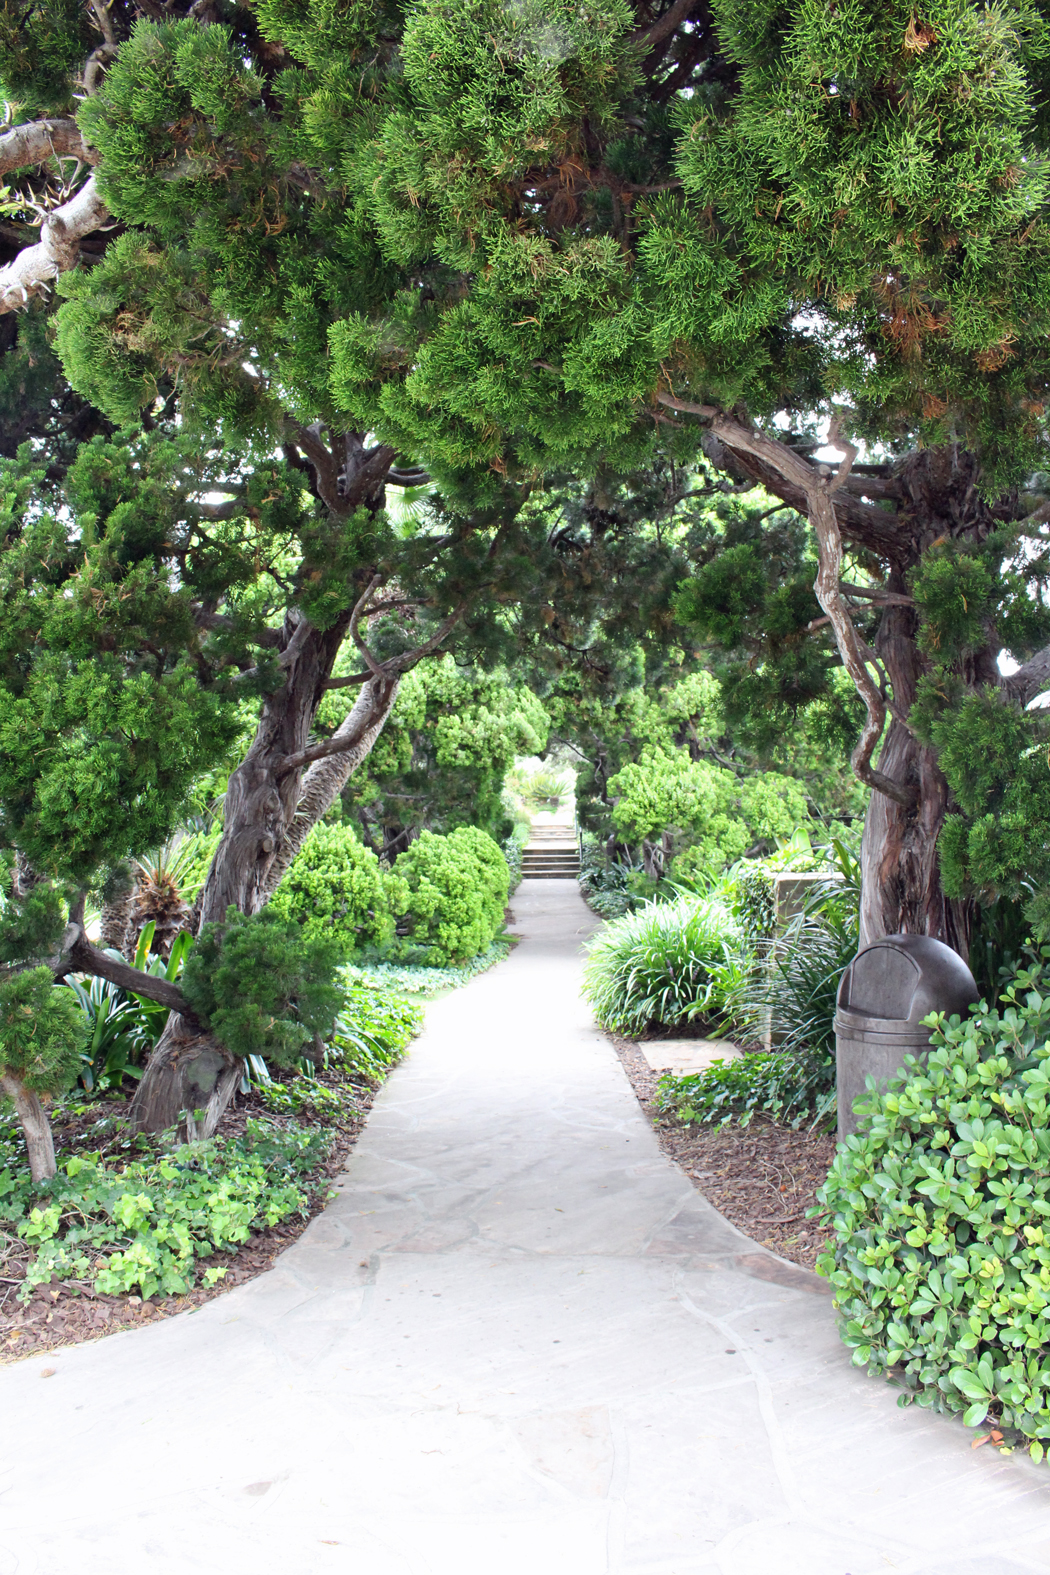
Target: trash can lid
{"points": [[903, 978]]}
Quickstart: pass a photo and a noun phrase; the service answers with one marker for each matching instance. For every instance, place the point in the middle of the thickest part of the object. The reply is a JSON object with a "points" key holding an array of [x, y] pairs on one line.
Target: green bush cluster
{"points": [[144, 1226], [941, 1208], [457, 893], [660, 965], [338, 891], [42, 1032], [261, 986]]}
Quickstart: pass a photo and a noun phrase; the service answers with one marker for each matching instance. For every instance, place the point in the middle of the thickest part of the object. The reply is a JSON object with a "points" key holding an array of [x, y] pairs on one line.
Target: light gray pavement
{"points": [[517, 1343]]}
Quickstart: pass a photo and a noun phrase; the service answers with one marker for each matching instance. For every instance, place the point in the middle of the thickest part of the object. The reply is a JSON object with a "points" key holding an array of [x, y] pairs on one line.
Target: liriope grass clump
{"points": [[660, 965]]}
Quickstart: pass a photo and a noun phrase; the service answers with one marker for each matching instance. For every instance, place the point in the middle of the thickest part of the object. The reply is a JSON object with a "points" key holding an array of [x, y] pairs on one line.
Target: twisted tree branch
{"points": [[57, 250]]}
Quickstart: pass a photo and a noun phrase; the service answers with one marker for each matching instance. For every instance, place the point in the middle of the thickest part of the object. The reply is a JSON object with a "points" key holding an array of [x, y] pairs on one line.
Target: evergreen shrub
{"points": [[338, 891], [457, 893], [660, 964], [42, 1032], [941, 1207], [262, 987]]}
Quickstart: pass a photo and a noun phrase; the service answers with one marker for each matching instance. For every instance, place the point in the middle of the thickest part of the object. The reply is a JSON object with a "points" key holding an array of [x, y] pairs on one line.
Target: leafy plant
{"points": [[782, 1085], [457, 893], [659, 965], [143, 1227], [264, 989], [373, 1030], [786, 991], [337, 890], [122, 1027], [941, 1265]]}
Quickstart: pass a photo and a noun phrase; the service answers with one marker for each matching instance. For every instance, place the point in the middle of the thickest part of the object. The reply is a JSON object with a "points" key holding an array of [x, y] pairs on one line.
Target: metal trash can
{"points": [[883, 996]]}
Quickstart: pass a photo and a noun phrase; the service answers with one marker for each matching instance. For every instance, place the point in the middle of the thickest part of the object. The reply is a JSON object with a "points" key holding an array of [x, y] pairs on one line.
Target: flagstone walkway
{"points": [[517, 1343]]}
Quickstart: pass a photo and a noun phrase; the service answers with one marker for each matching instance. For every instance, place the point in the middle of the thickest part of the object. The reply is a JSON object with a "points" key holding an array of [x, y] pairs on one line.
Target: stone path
{"points": [[518, 1343]]}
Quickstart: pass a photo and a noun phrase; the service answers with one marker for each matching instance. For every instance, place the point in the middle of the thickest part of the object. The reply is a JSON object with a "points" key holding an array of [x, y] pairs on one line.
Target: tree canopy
{"points": [[485, 247]]}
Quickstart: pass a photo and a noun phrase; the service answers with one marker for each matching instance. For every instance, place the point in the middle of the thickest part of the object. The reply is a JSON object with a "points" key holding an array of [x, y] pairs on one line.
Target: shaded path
{"points": [[517, 1343]]}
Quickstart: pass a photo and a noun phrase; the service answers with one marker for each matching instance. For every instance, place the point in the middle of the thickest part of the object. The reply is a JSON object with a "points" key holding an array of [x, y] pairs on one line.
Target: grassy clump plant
{"points": [[660, 966], [941, 1208]]}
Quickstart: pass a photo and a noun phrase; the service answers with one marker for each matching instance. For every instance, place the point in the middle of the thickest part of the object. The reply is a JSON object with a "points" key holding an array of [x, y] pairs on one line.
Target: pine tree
{"points": [[508, 241]]}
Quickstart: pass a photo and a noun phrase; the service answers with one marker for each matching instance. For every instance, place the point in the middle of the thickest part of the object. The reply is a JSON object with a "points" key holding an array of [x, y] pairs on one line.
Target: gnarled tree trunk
{"points": [[36, 1128], [188, 1071]]}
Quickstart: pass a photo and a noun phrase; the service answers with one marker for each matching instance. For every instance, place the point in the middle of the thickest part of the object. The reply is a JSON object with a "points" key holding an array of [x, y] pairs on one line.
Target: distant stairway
{"points": [[551, 854]]}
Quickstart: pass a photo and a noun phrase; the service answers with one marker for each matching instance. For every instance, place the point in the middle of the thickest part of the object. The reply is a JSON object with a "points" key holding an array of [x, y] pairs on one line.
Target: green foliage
{"points": [[42, 48], [441, 760], [31, 920], [778, 1085], [374, 1030], [722, 813], [940, 1205], [122, 1027], [418, 981], [659, 965], [784, 987], [457, 893], [336, 892], [41, 1031], [144, 1225], [262, 987]]}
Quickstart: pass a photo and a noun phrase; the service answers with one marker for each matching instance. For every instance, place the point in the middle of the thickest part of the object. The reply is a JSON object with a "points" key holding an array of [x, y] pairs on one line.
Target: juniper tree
{"points": [[507, 237]]}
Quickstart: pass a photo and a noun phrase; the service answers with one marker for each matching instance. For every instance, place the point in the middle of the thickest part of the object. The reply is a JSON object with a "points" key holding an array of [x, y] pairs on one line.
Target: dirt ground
{"points": [[762, 1177]]}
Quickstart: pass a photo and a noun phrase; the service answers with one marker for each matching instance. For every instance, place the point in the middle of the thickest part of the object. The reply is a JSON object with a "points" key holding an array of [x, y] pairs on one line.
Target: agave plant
{"points": [[661, 964]]}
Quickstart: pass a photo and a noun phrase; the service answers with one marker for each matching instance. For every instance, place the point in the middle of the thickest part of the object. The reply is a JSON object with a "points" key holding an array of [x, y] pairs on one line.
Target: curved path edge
{"points": [[517, 1342]]}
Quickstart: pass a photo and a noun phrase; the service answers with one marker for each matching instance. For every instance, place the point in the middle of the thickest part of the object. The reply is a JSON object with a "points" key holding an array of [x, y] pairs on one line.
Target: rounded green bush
{"points": [[338, 891], [659, 964], [456, 893], [941, 1266]]}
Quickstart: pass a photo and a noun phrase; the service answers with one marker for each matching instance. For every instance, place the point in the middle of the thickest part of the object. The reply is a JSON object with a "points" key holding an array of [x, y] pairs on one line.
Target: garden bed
{"points": [[68, 1312], [763, 1177]]}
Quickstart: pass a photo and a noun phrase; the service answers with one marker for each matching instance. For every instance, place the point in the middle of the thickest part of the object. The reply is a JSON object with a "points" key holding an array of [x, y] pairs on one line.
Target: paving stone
{"points": [[517, 1342]]}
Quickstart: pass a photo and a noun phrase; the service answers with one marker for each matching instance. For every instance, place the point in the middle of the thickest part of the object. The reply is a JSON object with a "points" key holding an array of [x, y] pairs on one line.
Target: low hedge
{"points": [[941, 1263]]}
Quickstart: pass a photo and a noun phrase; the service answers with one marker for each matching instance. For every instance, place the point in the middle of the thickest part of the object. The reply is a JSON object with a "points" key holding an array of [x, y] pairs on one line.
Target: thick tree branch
{"points": [[347, 683], [1031, 679], [818, 489], [78, 955], [327, 776], [672, 18], [57, 250], [41, 140]]}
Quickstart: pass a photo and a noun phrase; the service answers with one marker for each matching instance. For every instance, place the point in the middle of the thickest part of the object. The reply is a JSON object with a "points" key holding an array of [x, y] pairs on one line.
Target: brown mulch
{"points": [[66, 1314], [762, 1177]]}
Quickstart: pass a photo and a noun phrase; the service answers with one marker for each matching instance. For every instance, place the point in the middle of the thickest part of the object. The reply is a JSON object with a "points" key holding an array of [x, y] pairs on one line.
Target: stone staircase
{"points": [[551, 853]]}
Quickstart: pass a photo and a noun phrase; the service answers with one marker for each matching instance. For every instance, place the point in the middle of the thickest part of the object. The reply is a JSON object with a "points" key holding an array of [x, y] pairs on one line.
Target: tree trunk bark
{"points": [[325, 779], [189, 1071], [40, 1144]]}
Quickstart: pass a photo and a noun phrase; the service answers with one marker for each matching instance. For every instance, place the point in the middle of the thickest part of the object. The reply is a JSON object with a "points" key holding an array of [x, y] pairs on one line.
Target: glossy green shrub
{"points": [[457, 893], [337, 891], [660, 964], [941, 1266]]}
